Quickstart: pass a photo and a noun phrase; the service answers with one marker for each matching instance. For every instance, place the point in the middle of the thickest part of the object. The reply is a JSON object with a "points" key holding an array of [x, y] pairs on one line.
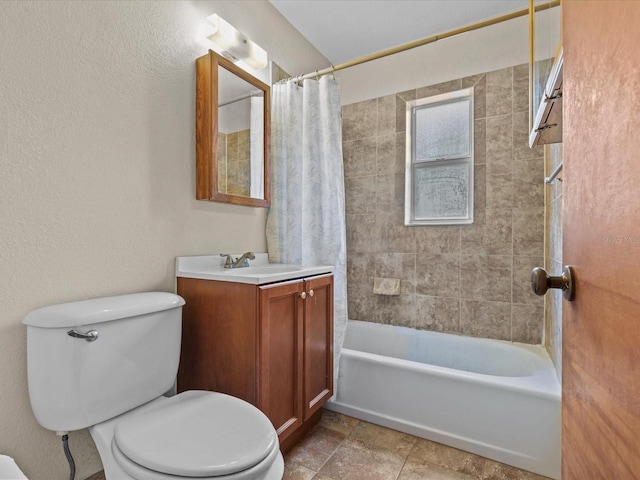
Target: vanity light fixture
{"points": [[235, 45]]}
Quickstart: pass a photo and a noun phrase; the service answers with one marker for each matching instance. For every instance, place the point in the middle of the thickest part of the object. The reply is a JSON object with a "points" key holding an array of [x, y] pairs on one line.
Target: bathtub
{"points": [[493, 398]]}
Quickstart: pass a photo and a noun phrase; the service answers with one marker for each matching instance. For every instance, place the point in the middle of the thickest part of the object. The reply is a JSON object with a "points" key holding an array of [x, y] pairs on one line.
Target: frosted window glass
{"points": [[441, 191], [442, 131]]}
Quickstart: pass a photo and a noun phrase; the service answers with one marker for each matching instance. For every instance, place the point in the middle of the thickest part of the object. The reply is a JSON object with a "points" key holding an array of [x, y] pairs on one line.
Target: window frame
{"points": [[411, 164]]}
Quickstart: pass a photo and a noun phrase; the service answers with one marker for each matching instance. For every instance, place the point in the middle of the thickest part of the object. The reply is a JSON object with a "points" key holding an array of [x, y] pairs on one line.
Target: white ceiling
{"points": [[344, 30]]}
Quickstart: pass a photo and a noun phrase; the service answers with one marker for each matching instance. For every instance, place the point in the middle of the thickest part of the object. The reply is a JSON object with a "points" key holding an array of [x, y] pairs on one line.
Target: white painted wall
{"points": [[97, 170], [491, 48]]}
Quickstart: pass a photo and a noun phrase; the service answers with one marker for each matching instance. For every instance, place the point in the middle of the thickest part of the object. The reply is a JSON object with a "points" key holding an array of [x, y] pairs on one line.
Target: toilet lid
{"points": [[197, 434]]}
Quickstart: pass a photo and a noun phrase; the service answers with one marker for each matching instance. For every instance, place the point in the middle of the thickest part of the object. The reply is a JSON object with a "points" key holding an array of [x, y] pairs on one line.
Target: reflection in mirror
{"points": [[240, 137], [545, 40], [232, 128]]}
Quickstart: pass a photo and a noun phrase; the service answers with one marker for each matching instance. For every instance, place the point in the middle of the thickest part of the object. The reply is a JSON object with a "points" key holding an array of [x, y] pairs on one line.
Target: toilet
{"points": [[9, 470], [106, 364]]}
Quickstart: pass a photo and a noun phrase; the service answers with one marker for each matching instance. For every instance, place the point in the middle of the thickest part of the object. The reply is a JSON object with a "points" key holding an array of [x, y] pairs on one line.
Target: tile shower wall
{"points": [[469, 279], [234, 160], [553, 259]]}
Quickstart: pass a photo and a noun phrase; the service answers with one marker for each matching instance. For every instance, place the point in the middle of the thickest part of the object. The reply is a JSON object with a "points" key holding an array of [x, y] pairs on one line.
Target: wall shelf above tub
{"points": [[547, 124]]}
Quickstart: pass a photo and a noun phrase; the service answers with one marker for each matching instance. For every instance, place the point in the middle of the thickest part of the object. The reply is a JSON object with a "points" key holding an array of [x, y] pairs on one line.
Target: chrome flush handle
{"points": [[90, 336]]}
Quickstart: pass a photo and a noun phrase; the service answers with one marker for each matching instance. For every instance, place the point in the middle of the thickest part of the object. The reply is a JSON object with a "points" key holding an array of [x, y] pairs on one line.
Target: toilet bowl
{"points": [[198, 434], [104, 364]]}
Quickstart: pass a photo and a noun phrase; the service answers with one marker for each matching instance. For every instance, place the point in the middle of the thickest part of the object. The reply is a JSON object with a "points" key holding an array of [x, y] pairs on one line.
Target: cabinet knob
{"points": [[311, 293], [303, 295]]}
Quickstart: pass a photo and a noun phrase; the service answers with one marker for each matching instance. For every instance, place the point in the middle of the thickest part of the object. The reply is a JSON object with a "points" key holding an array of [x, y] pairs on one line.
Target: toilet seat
{"points": [[196, 434], [271, 468]]}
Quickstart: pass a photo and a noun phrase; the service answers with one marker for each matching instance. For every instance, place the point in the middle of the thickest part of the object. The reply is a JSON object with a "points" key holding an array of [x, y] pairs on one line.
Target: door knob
{"points": [[303, 295], [541, 282]]}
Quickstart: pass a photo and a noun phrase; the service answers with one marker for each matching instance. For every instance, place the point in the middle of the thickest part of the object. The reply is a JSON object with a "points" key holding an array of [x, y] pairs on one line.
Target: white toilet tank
{"points": [[75, 383]]}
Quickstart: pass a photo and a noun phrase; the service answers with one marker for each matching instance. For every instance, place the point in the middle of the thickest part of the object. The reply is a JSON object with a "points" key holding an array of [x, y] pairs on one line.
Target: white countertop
{"points": [[259, 271]]}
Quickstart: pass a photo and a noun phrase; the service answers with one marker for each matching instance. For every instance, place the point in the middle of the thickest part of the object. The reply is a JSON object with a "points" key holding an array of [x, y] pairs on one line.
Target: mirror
{"points": [[232, 133], [544, 44]]}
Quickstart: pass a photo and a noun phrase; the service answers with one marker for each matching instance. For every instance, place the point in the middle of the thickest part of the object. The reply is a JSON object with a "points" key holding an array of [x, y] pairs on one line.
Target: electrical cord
{"points": [[67, 452]]}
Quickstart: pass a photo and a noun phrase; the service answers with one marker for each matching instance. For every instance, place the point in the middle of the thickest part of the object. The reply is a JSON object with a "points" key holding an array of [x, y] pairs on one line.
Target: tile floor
{"points": [[344, 448]]}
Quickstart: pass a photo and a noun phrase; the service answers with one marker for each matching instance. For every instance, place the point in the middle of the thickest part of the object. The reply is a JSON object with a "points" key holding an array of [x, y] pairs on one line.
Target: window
{"points": [[439, 160]]}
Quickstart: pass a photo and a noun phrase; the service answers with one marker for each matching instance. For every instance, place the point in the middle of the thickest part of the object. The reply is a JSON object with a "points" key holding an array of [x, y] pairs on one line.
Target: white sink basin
{"points": [[270, 269], [260, 271]]}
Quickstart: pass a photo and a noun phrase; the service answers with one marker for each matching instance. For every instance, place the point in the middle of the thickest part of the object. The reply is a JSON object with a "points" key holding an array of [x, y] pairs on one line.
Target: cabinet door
{"points": [[318, 343], [280, 352]]}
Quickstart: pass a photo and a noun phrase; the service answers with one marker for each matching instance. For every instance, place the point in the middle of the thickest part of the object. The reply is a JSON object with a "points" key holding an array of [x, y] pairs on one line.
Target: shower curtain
{"points": [[306, 222], [256, 146]]}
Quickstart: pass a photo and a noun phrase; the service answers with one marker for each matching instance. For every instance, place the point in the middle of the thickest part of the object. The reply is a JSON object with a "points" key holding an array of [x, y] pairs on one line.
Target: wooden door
{"points": [[601, 239], [318, 343], [280, 352]]}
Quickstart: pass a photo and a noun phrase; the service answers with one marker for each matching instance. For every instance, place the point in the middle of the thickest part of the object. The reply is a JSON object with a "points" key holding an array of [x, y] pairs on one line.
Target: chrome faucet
{"points": [[242, 261]]}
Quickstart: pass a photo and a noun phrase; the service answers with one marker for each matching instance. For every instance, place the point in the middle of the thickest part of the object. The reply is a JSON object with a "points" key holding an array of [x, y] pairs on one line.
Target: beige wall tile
{"points": [[359, 157], [507, 176], [398, 265], [386, 115], [480, 141], [521, 88], [528, 183], [440, 314], [386, 154], [479, 194], [494, 237], [437, 89], [438, 239], [385, 193], [361, 234], [522, 266], [438, 275], [401, 156], [521, 150], [395, 310], [359, 120], [486, 319], [360, 194], [393, 236], [500, 191], [401, 110], [499, 138], [486, 277], [479, 84], [528, 223], [526, 323], [361, 268], [499, 92], [362, 303]]}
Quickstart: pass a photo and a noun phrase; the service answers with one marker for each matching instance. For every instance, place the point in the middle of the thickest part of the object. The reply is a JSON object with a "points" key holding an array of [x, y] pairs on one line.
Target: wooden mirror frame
{"points": [[207, 130]]}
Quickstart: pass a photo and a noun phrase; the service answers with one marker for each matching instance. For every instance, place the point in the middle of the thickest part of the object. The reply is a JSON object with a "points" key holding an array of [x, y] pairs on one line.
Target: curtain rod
{"points": [[425, 41], [254, 93]]}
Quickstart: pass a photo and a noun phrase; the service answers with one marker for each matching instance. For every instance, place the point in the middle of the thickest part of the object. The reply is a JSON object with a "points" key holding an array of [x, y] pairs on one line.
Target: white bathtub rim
{"points": [[543, 383], [537, 354], [457, 441]]}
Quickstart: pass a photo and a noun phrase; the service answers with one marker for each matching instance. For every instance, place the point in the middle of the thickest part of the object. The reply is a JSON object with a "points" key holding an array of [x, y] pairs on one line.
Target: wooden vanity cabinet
{"points": [[271, 345]]}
